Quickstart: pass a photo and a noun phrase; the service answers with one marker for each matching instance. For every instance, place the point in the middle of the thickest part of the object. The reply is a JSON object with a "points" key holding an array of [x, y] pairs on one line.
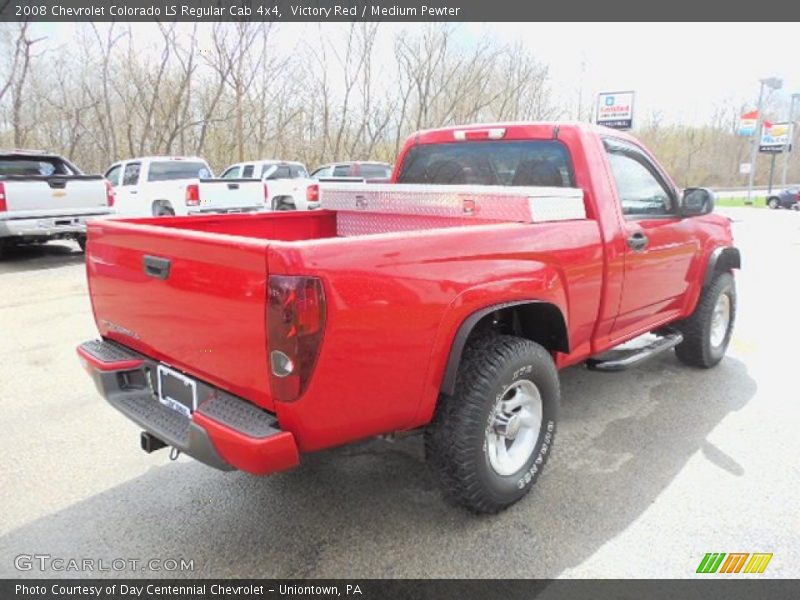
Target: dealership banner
{"points": [[615, 110], [775, 137]]}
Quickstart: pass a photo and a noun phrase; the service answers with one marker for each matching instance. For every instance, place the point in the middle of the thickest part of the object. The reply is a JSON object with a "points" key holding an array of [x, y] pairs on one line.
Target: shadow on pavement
{"points": [[36, 257], [372, 509]]}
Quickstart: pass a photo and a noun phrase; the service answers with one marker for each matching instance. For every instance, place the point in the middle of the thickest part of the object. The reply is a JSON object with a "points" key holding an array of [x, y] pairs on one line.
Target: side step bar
{"points": [[619, 359]]}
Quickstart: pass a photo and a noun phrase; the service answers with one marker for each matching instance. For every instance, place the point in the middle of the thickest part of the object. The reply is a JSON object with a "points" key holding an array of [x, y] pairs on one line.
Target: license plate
{"points": [[177, 391]]}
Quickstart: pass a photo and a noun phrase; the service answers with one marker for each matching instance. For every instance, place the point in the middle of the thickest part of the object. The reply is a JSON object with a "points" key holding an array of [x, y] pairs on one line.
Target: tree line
{"points": [[236, 91]]}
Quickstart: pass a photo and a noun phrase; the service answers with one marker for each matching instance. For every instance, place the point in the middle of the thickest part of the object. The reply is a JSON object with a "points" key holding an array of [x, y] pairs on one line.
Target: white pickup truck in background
{"points": [[45, 197], [159, 185], [286, 184]]}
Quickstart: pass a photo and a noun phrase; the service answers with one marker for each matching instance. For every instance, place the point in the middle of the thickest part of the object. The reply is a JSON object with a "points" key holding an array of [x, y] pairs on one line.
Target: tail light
{"points": [[296, 320], [3, 204], [266, 193], [109, 193], [192, 195], [312, 193]]}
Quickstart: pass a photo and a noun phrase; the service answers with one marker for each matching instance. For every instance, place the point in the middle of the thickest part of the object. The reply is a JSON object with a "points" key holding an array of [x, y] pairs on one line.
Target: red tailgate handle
{"points": [[155, 266]]}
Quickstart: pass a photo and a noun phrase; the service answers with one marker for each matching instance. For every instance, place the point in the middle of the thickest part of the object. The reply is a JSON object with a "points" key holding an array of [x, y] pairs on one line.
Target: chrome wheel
{"points": [[720, 320], [514, 427]]}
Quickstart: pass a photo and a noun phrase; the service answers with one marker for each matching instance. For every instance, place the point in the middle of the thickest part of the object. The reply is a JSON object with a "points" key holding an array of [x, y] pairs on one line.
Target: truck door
{"points": [[660, 244], [128, 200]]}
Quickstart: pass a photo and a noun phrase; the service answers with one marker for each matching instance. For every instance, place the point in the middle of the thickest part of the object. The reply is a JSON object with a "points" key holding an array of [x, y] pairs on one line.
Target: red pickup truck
{"points": [[445, 301]]}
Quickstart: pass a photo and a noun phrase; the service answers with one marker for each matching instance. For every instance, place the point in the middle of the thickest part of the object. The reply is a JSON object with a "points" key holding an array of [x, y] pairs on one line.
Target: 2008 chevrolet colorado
{"points": [[447, 300]]}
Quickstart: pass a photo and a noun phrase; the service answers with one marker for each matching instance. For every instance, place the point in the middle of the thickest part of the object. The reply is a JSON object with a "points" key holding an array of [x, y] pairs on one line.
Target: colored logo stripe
{"points": [[713, 562], [758, 563], [734, 562]]}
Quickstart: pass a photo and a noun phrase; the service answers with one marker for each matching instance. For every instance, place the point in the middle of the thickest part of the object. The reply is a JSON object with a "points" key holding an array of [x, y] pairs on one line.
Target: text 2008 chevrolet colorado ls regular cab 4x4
{"points": [[447, 300]]}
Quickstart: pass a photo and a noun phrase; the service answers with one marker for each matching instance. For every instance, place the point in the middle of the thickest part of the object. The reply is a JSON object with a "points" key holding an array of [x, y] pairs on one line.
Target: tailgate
{"points": [[195, 301], [231, 194], [55, 196]]}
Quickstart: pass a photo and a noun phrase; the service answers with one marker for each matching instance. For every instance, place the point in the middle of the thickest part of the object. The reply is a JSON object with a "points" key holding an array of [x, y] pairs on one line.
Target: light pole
{"points": [[788, 146], [773, 83]]}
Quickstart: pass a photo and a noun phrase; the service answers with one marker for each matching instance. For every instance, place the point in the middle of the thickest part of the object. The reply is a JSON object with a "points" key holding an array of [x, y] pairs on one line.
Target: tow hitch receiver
{"points": [[151, 443]]}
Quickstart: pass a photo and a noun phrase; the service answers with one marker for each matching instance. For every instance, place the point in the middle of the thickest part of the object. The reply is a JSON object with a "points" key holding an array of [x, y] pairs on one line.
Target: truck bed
{"points": [[204, 312]]}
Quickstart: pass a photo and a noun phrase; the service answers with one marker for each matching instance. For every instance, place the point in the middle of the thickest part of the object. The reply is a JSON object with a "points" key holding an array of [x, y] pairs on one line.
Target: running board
{"points": [[619, 359]]}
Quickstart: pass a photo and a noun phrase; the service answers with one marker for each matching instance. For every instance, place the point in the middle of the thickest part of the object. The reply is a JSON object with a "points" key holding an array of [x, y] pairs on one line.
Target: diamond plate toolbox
{"points": [[448, 202]]}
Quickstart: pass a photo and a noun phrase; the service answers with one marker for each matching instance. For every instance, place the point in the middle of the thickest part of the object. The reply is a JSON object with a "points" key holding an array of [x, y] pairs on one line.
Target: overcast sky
{"points": [[681, 70]]}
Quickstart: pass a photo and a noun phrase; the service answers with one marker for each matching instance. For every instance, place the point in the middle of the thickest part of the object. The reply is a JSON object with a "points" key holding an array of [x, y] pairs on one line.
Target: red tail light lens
{"points": [[266, 193], [192, 195], [109, 193], [312, 193], [296, 321], [3, 204]]}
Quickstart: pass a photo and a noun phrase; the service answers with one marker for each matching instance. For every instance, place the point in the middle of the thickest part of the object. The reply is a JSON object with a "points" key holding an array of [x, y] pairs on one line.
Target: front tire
{"points": [[773, 203], [707, 332], [489, 441]]}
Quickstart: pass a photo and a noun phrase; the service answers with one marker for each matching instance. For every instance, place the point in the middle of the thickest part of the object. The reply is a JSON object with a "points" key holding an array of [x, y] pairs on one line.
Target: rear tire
{"points": [[489, 441], [163, 209], [707, 332]]}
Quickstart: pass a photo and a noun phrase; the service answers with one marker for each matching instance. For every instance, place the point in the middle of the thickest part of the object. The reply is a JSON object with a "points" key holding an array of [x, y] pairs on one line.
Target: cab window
{"points": [[113, 175], [131, 174]]}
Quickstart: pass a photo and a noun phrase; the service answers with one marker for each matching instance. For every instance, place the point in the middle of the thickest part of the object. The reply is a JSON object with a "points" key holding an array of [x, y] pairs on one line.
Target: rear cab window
{"points": [[33, 166], [504, 162], [375, 171], [169, 170], [297, 172]]}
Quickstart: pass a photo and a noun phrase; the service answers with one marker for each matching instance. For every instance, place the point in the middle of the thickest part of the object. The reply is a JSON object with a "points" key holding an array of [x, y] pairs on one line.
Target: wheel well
{"points": [[540, 322], [720, 261]]}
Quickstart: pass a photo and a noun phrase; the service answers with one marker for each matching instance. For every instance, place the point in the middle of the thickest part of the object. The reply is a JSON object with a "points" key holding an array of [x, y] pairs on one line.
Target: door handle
{"points": [[638, 241], [133, 192]]}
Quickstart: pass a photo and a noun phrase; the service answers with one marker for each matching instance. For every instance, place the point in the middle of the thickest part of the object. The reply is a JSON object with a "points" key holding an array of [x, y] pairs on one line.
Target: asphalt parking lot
{"points": [[651, 469]]}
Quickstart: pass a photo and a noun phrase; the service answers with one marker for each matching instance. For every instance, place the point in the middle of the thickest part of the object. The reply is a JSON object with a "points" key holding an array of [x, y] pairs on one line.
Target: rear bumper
{"points": [[225, 432], [45, 227]]}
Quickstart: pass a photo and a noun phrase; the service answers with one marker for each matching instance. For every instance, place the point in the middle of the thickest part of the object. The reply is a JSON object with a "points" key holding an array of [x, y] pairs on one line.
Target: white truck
{"points": [[158, 185], [45, 197], [286, 184]]}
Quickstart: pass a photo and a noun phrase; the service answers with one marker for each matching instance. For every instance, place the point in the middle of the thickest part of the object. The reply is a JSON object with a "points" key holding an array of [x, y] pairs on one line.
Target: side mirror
{"points": [[697, 201]]}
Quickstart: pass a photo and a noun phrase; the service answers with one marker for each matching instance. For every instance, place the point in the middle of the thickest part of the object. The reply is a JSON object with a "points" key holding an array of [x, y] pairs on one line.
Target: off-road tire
{"points": [[455, 441], [696, 350]]}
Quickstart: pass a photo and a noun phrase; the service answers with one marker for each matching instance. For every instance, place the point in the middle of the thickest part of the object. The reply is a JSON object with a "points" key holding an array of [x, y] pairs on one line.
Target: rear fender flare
{"points": [[560, 341]]}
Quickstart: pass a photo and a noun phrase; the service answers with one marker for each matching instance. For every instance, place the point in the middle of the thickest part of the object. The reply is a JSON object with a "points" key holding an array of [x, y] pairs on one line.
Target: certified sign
{"points": [[774, 137], [615, 109]]}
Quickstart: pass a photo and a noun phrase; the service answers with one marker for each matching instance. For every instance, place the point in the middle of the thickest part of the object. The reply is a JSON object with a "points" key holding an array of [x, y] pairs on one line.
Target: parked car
{"points": [[159, 185], [788, 198], [287, 185], [445, 302], [45, 197], [369, 171]]}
